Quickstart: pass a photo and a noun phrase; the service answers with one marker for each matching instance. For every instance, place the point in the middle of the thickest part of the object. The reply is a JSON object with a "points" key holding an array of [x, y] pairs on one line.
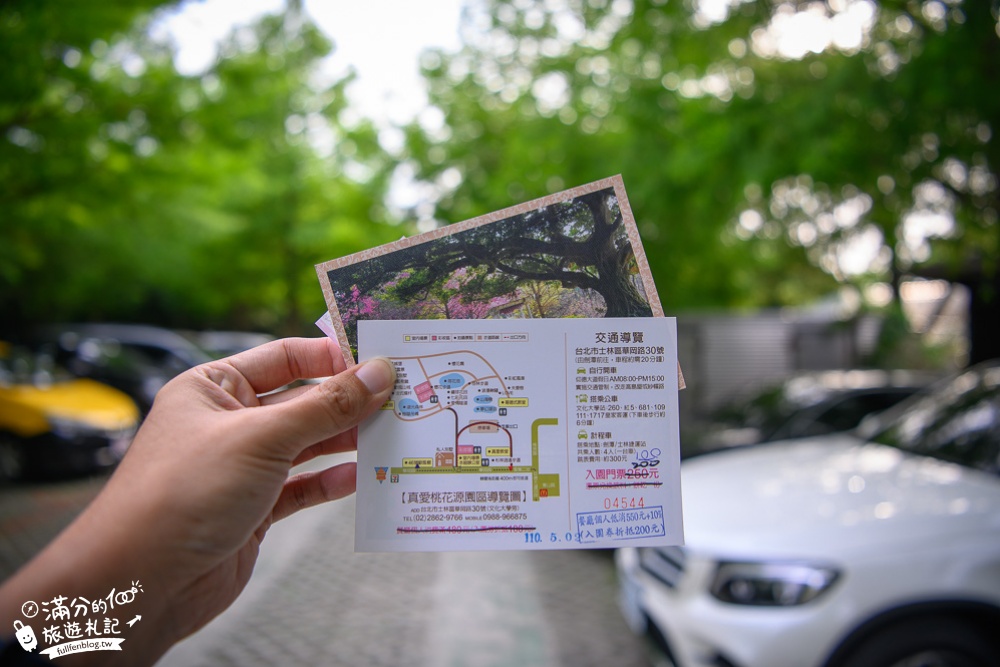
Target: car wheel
{"points": [[12, 460], [926, 642]]}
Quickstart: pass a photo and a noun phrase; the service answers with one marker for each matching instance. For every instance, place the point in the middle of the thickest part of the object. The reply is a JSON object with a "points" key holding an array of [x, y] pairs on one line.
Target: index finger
{"points": [[280, 362]]}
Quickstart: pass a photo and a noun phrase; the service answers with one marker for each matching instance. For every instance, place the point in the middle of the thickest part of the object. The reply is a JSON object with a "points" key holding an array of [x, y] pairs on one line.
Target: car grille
{"points": [[664, 563]]}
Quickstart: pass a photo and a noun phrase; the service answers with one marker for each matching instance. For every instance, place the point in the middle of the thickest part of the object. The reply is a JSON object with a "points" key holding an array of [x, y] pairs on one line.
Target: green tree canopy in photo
{"points": [[579, 244]]}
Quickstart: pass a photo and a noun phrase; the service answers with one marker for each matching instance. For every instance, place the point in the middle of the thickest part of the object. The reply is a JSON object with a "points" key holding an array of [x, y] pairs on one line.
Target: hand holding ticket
{"points": [[536, 405]]}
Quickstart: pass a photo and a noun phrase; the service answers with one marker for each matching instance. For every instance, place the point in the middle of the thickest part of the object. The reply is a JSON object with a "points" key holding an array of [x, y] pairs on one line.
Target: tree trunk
{"points": [[619, 293], [613, 281]]}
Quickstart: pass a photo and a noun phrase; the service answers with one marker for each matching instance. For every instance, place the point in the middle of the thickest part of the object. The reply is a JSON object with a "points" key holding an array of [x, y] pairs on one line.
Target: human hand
{"points": [[208, 473]]}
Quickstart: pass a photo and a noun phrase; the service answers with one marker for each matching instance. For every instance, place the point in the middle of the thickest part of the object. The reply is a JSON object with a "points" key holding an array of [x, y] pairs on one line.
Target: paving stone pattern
{"points": [[313, 601], [330, 606], [33, 513]]}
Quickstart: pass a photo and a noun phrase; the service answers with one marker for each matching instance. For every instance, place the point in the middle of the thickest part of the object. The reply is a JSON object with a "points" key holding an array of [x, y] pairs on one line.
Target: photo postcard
{"points": [[573, 254]]}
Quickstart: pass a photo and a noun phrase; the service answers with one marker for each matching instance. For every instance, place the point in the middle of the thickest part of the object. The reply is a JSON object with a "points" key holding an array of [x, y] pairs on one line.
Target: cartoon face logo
{"points": [[25, 636]]}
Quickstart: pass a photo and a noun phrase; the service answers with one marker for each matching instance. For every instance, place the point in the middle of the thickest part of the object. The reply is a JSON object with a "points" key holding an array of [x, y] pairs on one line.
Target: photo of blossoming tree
{"points": [[568, 259]]}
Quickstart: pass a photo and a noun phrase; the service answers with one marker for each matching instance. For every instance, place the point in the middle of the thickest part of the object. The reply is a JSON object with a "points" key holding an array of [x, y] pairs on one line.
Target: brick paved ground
{"points": [[31, 514], [324, 604], [313, 601]]}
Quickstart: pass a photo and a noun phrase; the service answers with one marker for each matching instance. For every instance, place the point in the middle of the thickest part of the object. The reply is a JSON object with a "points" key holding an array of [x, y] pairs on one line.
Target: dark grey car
{"points": [[138, 359]]}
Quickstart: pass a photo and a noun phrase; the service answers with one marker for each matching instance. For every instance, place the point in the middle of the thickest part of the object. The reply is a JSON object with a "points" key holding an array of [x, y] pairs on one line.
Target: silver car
{"points": [[877, 548]]}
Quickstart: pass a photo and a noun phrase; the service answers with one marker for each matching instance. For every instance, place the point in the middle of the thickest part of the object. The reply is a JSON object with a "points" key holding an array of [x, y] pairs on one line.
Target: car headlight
{"points": [[771, 584]]}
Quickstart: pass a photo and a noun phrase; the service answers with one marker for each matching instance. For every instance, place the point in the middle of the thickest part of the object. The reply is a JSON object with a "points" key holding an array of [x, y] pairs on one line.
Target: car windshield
{"points": [[828, 401], [20, 366], [767, 411], [957, 422]]}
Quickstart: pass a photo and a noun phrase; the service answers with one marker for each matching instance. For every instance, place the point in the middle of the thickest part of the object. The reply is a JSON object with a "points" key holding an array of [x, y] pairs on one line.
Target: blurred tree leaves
{"points": [[761, 173], [129, 191]]}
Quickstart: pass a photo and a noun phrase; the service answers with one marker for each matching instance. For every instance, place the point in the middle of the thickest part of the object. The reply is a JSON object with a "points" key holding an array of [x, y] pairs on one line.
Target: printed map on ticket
{"points": [[521, 434]]}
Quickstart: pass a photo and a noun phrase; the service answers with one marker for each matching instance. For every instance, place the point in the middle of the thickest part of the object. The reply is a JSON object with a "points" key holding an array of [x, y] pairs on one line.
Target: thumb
{"points": [[336, 405]]}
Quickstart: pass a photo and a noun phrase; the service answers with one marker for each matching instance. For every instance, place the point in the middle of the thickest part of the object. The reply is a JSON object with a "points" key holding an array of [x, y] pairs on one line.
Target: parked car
{"points": [[137, 359], [873, 548], [806, 404], [221, 344], [51, 422]]}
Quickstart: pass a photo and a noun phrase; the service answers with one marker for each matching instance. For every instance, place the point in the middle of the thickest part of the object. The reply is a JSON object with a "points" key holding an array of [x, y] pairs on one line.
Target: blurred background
{"points": [[815, 183]]}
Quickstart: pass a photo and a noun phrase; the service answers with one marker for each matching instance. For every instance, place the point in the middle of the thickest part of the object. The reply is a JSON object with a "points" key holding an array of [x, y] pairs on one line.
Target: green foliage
{"points": [[129, 191], [132, 192], [751, 174]]}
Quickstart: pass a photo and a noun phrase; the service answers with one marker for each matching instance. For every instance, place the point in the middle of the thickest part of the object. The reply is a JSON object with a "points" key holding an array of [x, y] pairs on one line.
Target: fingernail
{"points": [[377, 374]]}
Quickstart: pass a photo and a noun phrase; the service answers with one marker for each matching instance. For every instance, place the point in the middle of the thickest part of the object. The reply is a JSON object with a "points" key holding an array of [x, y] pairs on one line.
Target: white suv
{"points": [[873, 549]]}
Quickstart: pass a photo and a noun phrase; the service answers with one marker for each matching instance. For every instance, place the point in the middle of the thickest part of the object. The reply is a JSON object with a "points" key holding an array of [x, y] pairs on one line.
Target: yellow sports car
{"points": [[52, 423]]}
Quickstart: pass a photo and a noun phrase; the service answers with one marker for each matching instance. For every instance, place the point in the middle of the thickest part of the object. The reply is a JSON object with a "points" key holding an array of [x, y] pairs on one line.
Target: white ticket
{"points": [[521, 434]]}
